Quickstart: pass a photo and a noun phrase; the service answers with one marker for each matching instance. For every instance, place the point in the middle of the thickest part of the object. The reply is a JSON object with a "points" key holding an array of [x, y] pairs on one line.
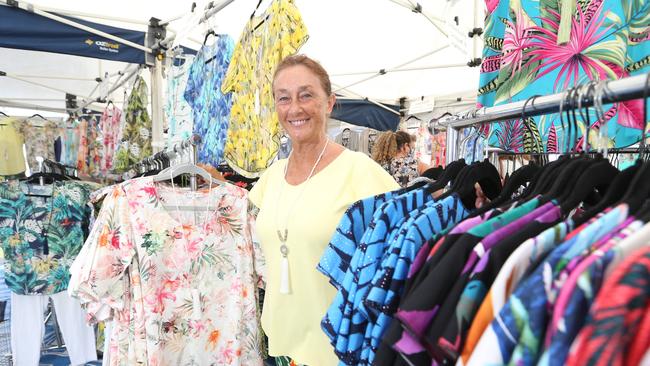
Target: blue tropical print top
{"points": [[210, 107]]}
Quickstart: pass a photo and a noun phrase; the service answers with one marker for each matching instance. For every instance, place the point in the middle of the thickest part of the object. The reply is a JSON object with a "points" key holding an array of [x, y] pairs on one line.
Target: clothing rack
{"points": [[185, 146], [613, 91]]}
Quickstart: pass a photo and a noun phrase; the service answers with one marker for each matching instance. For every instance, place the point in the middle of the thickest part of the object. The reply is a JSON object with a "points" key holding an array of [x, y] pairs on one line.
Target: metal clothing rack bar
{"points": [[614, 91], [189, 144]]}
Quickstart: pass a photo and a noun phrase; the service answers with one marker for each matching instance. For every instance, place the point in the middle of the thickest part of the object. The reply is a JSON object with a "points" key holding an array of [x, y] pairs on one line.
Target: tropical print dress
{"points": [[41, 237], [180, 286], [544, 47], [254, 132], [136, 137]]}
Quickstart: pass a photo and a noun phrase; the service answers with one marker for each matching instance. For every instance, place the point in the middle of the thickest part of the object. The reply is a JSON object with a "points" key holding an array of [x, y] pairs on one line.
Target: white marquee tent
{"points": [[423, 54]]}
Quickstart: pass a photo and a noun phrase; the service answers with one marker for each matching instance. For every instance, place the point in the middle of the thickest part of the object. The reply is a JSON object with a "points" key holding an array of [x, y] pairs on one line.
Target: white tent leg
{"points": [[157, 104]]}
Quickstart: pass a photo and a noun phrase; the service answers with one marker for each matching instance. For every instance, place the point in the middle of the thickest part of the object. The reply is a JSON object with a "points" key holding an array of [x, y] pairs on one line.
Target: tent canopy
{"points": [[379, 50]]}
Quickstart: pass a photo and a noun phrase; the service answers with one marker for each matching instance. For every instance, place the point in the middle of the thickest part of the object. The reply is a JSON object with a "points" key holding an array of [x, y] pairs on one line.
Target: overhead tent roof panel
{"points": [[363, 113], [21, 29]]}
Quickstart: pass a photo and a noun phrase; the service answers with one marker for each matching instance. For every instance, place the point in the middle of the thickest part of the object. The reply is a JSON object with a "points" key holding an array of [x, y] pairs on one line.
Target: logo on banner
{"points": [[104, 46]]}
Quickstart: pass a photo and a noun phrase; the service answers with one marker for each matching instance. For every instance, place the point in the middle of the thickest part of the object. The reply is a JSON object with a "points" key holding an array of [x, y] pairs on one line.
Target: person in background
{"points": [[393, 151], [301, 200]]}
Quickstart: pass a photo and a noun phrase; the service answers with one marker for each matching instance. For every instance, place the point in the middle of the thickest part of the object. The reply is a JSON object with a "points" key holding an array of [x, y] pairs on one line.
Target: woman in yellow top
{"points": [[301, 201]]}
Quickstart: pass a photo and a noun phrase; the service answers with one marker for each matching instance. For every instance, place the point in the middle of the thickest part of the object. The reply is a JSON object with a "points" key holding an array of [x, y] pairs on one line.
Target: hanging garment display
{"points": [[39, 135], [254, 135], [136, 136], [210, 107], [179, 285], [439, 149], [12, 160], [177, 110], [41, 236], [423, 143], [110, 123], [69, 143], [424, 281], [82, 154], [28, 328], [95, 147], [534, 48]]}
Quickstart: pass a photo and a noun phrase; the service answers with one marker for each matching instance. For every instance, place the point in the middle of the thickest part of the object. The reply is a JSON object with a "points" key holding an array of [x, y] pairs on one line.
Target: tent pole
{"points": [[382, 72], [54, 77], [89, 101], [402, 69], [31, 8], [93, 16], [10, 104], [39, 84], [157, 105]]}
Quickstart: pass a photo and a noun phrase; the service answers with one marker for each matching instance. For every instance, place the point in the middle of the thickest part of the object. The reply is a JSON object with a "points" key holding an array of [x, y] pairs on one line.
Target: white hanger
{"points": [[185, 168]]}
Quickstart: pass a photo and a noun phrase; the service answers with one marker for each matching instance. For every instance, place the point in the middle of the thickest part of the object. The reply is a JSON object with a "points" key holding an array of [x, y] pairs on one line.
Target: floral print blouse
{"points": [[39, 136], [42, 236], [254, 132], [180, 286], [403, 169]]}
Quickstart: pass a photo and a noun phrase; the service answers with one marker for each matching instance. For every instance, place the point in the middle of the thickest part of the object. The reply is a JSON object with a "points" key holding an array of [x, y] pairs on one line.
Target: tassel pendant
{"points": [[284, 276], [285, 287]]}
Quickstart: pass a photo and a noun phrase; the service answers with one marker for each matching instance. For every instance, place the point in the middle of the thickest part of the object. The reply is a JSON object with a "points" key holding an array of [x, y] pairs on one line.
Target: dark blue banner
{"points": [[23, 30], [363, 113]]}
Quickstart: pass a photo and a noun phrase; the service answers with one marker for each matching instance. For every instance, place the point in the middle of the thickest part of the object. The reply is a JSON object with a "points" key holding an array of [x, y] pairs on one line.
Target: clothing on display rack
{"points": [[12, 160], [110, 123], [210, 107], [69, 143], [42, 229], [355, 140], [254, 134], [174, 269], [531, 48], [373, 267], [27, 334], [136, 136], [423, 143], [177, 110], [39, 135]]}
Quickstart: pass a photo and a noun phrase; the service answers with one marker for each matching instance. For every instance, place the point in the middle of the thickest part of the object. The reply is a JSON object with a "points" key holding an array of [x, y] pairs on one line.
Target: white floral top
{"points": [[181, 286]]}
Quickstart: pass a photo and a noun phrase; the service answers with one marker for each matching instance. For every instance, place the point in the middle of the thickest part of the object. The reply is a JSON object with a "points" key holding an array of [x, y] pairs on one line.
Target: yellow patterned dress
{"points": [[254, 133]]}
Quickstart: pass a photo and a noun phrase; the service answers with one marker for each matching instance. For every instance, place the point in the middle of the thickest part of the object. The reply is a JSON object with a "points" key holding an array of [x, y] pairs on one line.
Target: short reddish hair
{"points": [[313, 65]]}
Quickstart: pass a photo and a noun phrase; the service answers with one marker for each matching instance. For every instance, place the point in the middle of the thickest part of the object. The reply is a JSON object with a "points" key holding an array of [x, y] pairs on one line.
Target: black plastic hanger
{"points": [[483, 173], [255, 10], [448, 175], [599, 175], [4, 114], [639, 189], [208, 34], [518, 178]]}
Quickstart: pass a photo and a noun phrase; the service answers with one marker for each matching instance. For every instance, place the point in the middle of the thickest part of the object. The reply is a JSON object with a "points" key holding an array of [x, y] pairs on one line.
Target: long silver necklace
{"points": [[283, 234]]}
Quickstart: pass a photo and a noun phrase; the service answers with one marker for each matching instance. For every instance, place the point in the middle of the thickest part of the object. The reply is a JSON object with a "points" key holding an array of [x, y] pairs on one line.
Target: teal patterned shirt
{"points": [[41, 236]]}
